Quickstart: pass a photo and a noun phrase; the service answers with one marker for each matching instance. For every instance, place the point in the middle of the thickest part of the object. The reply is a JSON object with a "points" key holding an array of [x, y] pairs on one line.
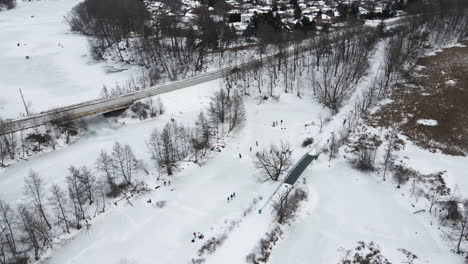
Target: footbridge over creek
{"points": [[293, 175]]}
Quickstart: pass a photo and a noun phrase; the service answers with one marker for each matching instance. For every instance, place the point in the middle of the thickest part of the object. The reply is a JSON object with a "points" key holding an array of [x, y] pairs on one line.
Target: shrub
{"points": [[365, 159], [212, 244], [307, 141], [161, 204], [402, 174], [262, 252], [287, 204], [140, 110], [452, 211]]}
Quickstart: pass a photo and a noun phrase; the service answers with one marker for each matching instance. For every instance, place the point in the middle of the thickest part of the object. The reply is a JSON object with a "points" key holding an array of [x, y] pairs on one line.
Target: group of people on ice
{"points": [[231, 197], [195, 236]]}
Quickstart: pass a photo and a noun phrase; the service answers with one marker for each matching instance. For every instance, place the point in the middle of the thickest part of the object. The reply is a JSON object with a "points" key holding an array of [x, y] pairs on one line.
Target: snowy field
{"points": [[60, 70], [344, 205]]}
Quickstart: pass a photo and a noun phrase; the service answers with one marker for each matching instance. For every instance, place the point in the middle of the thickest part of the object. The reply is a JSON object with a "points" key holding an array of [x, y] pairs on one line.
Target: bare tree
{"points": [[64, 123], [435, 194], [77, 195], [392, 136], [88, 183], [274, 161], [125, 161], [58, 200], [162, 148], [34, 189], [287, 204], [36, 234], [237, 114], [333, 146], [3, 153], [201, 136], [461, 226], [342, 67], [320, 46], [7, 228], [219, 107], [104, 164], [10, 143]]}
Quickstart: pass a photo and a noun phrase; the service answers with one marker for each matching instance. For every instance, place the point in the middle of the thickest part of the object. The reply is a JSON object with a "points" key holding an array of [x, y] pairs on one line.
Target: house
{"points": [[245, 18]]}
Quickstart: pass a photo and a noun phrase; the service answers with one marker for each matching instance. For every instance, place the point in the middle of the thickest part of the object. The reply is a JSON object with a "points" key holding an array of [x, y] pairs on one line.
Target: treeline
{"points": [[341, 60], [30, 227], [24, 143], [157, 42], [107, 25], [401, 48]]}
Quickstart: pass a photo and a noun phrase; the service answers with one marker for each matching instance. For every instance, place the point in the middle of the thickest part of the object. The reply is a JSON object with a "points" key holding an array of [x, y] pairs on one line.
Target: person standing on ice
{"points": [[240, 156]]}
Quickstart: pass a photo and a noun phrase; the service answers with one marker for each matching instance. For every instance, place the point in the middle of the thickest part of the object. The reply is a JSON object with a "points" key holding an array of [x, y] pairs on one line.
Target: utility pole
{"points": [[24, 102]]}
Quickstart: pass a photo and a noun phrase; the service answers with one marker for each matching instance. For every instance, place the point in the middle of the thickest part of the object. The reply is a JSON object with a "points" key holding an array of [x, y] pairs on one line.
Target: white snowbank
{"points": [[427, 122]]}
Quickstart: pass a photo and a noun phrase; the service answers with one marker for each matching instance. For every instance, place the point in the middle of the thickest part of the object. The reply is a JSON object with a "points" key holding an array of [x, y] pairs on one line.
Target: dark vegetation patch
{"points": [[430, 94], [262, 253]]}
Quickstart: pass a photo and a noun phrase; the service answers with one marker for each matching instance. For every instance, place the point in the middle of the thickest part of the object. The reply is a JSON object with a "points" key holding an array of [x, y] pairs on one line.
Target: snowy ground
{"points": [[344, 205], [55, 75], [198, 202], [353, 206]]}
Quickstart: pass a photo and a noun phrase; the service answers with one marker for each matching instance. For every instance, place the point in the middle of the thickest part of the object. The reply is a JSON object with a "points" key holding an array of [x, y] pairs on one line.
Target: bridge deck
{"points": [[299, 168]]}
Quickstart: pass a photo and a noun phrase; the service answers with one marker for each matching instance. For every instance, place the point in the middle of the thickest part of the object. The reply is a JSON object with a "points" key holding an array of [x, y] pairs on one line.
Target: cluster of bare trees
{"points": [[341, 64], [29, 228], [175, 142], [23, 143], [402, 49], [226, 108], [149, 107], [170, 145], [108, 26], [7, 4], [156, 41], [167, 49], [450, 209]]}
